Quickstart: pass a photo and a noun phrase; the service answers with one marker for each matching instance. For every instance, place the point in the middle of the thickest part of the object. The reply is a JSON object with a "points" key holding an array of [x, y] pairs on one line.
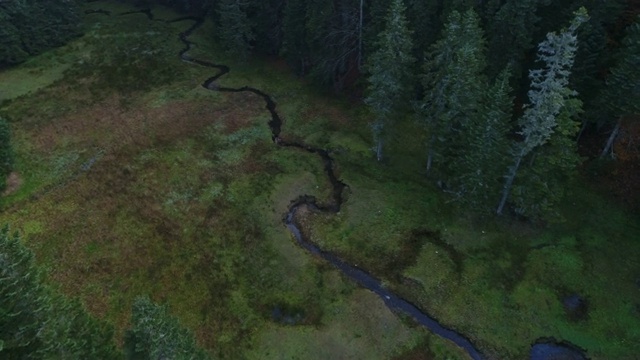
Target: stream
{"points": [[545, 349]]}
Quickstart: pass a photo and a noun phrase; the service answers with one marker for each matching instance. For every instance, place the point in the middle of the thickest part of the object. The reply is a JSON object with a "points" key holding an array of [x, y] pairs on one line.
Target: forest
{"points": [[379, 179]]}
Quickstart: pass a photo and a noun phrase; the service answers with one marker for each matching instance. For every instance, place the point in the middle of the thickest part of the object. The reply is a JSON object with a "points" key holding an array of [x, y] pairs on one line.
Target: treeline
{"points": [[37, 322], [504, 88], [29, 27]]}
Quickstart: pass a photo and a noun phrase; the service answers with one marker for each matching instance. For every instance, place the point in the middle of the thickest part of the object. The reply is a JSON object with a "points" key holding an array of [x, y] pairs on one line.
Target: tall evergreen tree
{"points": [[511, 32], [390, 68], [155, 334], [454, 84], [295, 46], [56, 22], [621, 96], [38, 323], [335, 32], [478, 171], [235, 30], [548, 97], [6, 153]]}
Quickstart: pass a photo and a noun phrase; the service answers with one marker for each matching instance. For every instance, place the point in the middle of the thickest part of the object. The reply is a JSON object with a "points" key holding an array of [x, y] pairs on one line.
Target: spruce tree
{"points": [[390, 68], [454, 86], [548, 97], [295, 47], [621, 96], [235, 30], [155, 334], [39, 323], [511, 32], [477, 172], [334, 31]]}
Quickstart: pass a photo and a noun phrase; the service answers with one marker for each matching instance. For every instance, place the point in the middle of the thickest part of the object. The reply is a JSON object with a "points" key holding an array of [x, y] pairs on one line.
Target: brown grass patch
{"points": [[110, 125], [13, 183]]}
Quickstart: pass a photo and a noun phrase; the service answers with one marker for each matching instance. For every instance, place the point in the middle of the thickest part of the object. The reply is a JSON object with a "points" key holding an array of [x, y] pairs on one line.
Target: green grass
{"points": [[185, 201]]}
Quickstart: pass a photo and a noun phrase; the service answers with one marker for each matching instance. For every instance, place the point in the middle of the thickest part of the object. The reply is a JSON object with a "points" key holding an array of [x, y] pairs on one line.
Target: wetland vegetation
{"points": [[143, 194]]}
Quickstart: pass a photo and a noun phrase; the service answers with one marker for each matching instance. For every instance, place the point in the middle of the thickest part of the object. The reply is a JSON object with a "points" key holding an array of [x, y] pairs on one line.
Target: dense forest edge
{"points": [[433, 131]]}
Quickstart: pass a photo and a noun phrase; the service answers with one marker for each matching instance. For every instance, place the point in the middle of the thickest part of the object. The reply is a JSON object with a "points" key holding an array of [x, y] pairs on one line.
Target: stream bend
{"points": [[540, 350], [360, 276]]}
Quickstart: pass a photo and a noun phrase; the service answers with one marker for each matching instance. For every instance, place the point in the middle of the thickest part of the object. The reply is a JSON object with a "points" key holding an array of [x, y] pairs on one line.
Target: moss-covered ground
{"points": [[135, 180]]}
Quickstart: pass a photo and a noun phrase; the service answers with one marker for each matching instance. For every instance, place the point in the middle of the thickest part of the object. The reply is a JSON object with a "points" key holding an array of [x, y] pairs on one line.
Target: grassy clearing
{"points": [[501, 283], [138, 181]]}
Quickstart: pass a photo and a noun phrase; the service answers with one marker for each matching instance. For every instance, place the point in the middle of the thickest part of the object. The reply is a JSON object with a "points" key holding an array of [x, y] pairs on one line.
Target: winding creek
{"points": [[542, 349]]}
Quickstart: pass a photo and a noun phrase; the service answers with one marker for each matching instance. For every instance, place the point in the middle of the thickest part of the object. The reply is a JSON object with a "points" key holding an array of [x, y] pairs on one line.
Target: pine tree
{"points": [[548, 97], [6, 153], [390, 72], [478, 171], [38, 323], [57, 22], [334, 31], [155, 334], [295, 46], [235, 29], [511, 33], [454, 85]]}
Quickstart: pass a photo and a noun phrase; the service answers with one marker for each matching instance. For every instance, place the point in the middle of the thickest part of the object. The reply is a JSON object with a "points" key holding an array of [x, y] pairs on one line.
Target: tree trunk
{"points": [[582, 128], [379, 150], [360, 35], [509, 183], [608, 147]]}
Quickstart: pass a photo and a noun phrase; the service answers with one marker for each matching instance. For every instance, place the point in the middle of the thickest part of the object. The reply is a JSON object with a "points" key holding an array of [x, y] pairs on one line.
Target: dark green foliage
{"points": [[295, 48], [454, 83], [38, 323], [31, 27], [155, 334], [549, 116], [511, 33], [6, 152], [235, 28], [390, 68], [621, 96], [334, 33], [268, 16], [479, 169]]}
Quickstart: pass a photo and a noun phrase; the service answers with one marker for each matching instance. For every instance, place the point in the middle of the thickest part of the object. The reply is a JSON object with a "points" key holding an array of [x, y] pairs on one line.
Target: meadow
{"points": [[132, 179]]}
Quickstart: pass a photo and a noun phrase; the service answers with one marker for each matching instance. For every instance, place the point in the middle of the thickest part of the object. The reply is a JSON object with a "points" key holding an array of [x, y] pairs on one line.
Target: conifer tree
{"points": [[454, 86], [511, 32], [334, 31], [621, 96], [155, 334], [390, 69], [295, 46], [548, 97], [235, 29], [477, 172], [38, 323]]}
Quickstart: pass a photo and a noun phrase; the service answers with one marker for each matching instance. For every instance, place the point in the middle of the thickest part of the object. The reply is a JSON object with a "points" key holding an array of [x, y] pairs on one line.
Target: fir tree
{"points": [[548, 97], [511, 31], [390, 69], [295, 47], [454, 85], [621, 96], [235, 29], [155, 334], [478, 171], [38, 323]]}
